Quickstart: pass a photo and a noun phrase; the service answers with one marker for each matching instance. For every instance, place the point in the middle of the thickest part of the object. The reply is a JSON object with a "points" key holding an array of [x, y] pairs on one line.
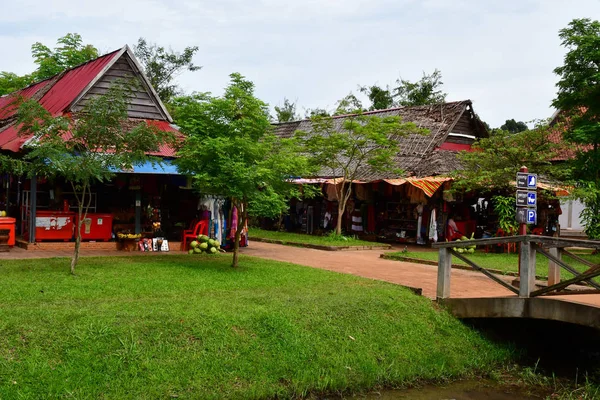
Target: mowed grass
{"points": [[192, 327], [506, 262], [326, 240]]}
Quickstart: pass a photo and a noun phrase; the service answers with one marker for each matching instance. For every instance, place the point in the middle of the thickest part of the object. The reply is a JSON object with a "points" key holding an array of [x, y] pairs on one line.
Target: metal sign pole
{"points": [[522, 224]]}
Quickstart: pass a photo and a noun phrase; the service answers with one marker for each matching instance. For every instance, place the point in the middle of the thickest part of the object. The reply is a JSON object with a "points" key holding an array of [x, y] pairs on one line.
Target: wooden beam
{"points": [[577, 258], [485, 272], [481, 242], [526, 269], [566, 283], [567, 266], [549, 241], [554, 268], [444, 270]]}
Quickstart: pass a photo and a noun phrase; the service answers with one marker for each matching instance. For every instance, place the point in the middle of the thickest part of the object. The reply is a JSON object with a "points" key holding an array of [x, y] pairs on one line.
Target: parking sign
{"points": [[531, 216]]}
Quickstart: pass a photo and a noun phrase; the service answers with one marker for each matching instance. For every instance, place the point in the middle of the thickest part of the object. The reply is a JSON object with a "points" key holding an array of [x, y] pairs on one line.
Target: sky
{"points": [[498, 53]]}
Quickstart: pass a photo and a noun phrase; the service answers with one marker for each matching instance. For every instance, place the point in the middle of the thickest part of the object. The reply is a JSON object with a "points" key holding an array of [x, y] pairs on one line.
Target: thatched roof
{"points": [[419, 155]]}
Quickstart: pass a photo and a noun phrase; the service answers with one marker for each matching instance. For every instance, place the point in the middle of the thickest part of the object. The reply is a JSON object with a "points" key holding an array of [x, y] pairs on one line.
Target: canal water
{"points": [[463, 390]]}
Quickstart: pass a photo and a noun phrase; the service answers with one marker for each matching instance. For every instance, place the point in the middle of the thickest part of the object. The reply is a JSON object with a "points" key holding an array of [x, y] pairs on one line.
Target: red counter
{"points": [[97, 227], [54, 225], [8, 223]]}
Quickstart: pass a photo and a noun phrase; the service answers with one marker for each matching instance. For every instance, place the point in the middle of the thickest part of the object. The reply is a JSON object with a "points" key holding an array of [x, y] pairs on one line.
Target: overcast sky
{"points": [[500, 54]]}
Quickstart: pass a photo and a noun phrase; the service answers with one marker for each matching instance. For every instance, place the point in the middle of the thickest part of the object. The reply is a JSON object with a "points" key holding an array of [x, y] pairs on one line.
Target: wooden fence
{"points": [[530, 245]]}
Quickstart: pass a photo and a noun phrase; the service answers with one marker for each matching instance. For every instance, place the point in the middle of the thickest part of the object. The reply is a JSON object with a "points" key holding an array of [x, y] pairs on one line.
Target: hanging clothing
{"points": [[357, 221], [433, 232], [234, 222]]}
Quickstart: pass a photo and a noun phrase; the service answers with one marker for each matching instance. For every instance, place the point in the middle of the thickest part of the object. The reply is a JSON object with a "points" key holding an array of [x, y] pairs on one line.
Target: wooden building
{"points": [[389, 206], [135, 200]]}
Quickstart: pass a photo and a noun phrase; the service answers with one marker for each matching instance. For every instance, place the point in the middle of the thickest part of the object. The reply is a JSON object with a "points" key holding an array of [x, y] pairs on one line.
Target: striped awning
{"points": [[429, 185]]}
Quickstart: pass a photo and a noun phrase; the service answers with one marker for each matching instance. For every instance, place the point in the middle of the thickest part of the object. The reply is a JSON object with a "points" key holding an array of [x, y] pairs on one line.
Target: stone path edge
{"points": [[321, 247]]}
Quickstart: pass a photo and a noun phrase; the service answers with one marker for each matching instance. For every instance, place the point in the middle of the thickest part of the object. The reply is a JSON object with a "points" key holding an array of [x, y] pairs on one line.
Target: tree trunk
{"points": [[236, 249], [75, 257], [338, 227]]}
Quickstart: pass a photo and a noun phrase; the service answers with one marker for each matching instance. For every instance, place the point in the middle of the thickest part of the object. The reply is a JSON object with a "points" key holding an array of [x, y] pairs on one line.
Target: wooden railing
{"points": [[530, 245]]}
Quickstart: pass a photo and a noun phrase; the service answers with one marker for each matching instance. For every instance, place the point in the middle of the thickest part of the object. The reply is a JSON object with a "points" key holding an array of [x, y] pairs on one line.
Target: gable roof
{"points": [[419, 155], [63, 94]]}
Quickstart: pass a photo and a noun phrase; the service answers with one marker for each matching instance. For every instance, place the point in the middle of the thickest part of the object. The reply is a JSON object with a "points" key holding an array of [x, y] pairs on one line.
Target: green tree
{"points": [[513, 126], [494, 162], [231, 151], [363, 144], [162, 66], [11, 82], [69, 52], [350, 104], [578, 98], [314, 112], [420, 93], [287, 112], [100, 142], [380, 98]]}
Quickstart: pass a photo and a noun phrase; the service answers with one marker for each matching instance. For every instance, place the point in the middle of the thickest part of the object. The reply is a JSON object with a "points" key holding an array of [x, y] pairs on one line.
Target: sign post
{"points": [[526, 202]]}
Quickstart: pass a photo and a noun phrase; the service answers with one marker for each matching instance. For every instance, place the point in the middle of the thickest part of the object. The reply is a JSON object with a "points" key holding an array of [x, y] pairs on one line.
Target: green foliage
{"points": [[183, 327], [578, 98], [505, 209], [232, 152], [494, 162], [364, 143], [287, 112], [84, 148], [380, 98], [69, 52], [11, 82], [423, 92], [589, 193], [513, 126], [330, 239], [350, 104], [316, 112], [162, 66]]}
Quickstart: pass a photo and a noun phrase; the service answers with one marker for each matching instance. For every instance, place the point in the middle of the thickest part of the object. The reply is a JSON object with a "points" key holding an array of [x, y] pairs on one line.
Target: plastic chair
{"points": [[201, 228], [190, 229]]}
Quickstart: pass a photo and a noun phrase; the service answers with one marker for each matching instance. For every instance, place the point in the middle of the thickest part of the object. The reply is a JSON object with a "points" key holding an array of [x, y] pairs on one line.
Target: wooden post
{"points": [[444, 269], [32, 208], [554, 268], [138, 211], [526, 269]]}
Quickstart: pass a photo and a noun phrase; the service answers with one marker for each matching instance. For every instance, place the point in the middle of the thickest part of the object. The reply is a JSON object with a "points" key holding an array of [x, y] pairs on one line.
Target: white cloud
{"points": [[499, 54]]}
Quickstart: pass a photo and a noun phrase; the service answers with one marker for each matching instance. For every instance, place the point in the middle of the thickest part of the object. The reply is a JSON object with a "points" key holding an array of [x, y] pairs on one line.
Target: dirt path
{"points": [[368, 264]]}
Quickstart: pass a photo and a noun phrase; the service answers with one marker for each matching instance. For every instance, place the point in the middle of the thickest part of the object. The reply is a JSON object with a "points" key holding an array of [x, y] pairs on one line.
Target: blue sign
{"points": [[531, 198], [531, 181], [531, 216]]}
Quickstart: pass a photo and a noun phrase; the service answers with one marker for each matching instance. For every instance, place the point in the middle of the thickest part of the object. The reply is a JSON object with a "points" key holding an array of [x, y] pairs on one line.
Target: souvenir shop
{"points": [[408, 210], [138, 211]]}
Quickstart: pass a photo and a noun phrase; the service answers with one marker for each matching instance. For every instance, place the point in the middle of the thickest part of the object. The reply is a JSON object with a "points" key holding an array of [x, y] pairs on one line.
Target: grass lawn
{"points": [[505, 262], [193, 327], [309, 239]]}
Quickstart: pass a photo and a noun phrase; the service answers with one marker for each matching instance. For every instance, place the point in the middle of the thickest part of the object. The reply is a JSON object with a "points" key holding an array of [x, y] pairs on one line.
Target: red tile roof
{"points": [[56, 95]]}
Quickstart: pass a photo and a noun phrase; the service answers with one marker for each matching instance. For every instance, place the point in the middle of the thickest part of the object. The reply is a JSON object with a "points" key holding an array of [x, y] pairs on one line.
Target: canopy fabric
{"points": [[429, 185], [166, 167], [558, 191]]}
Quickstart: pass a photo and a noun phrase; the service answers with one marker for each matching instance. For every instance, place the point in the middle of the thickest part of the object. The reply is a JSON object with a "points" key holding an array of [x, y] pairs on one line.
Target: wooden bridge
{"points": [[554, 300]]}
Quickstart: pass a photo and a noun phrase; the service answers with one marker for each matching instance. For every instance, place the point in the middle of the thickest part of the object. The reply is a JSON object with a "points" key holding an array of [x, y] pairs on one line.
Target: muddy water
{"points": [[466, 390]]}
